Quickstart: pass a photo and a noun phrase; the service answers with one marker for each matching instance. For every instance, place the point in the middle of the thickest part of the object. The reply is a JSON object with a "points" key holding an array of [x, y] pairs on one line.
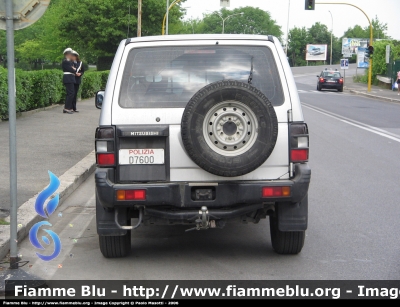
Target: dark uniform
{"points": [[69, 82], [78, 81]]}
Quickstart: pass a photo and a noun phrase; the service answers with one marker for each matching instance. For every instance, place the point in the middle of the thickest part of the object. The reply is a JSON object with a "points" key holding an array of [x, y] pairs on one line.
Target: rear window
{"points": [[167, 77], [333, 74]]}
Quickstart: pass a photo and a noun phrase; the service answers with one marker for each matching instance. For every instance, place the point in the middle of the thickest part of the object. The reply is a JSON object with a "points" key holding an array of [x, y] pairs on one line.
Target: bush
{"points": [[42, 88]]}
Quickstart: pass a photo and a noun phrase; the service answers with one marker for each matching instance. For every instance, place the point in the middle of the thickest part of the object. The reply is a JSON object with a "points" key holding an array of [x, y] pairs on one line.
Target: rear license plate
{"points": [[331, 81], [141, 156]]}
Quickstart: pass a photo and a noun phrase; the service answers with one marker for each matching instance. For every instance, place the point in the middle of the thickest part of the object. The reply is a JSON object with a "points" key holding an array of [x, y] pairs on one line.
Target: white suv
{"points": [[201, 130]]}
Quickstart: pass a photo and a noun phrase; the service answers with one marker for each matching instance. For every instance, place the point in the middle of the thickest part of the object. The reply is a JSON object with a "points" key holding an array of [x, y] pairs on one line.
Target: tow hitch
{"points": [[203, 221]]}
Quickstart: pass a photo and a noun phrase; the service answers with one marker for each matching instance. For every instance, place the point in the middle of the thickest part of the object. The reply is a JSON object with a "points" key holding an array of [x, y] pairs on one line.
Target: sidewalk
{"points": [[46, 140], [376, 91]]}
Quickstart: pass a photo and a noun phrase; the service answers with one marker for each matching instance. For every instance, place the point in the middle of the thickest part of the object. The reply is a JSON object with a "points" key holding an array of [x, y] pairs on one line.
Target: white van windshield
{"points": [[167, 77]]}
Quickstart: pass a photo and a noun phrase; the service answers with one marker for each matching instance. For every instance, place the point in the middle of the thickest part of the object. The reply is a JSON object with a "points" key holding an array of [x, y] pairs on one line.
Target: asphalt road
{"points": [[353, 212]]}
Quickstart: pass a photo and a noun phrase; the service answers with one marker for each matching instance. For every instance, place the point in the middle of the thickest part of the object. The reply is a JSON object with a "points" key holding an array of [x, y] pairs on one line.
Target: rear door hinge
{"points": [[290, 116]]}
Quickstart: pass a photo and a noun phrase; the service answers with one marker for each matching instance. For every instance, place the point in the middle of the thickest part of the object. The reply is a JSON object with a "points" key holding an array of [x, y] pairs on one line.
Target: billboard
{"points": [[351, 45], [356, 46], [316, 52], [362, 60]]}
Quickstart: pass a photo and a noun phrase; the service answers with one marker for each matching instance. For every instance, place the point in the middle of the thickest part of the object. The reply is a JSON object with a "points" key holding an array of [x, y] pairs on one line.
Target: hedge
{"points": [[38, 89]]}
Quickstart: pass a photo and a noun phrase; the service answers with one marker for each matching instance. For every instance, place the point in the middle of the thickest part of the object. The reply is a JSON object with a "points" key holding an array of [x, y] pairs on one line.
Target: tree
{"points": [[316, 34], [98, 26], [253, 21], [43, 40], [319, 34], [298, 39], [379, 30]]}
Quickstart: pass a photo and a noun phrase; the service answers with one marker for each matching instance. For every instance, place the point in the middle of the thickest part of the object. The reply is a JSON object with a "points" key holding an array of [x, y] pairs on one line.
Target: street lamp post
{"points": [[330, 59], [167, 14], [224, 19], [165, 20]]}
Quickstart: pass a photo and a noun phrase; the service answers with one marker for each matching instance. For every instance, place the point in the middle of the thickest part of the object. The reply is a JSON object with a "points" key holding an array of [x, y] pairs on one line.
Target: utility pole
{"points": [[139, 19], [287, 30], [330, 59]]}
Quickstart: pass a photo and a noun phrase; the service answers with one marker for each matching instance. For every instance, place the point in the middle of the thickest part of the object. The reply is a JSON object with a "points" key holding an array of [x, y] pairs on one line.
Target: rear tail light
{"points": [[299, 143], [340, 80], [275, 192], [321, 79], [131, 195], [299, 155], [105, 159], [105, 153]]}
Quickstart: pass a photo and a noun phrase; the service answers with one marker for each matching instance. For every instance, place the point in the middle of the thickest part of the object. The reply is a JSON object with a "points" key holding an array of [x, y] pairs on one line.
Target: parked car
{"points": [[330, 79], [201, 130]]}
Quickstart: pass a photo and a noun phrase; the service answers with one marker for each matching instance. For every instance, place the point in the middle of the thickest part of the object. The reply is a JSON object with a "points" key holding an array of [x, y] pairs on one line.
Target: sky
{"points": [[344, 16]]}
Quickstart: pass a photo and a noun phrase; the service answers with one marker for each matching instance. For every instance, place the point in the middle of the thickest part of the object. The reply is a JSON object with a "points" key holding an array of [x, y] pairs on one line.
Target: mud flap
{"points": [[292, 216], [105, 220]]}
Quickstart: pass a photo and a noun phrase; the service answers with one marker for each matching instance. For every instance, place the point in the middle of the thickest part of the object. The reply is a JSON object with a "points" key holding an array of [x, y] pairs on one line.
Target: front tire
{"points": [[285, 242], [115, 246]]}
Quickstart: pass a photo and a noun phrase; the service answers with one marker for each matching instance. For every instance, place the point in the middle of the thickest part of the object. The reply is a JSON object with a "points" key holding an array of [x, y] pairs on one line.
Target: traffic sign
{"points": [[344, 64], [387, 54], [26, 12]]}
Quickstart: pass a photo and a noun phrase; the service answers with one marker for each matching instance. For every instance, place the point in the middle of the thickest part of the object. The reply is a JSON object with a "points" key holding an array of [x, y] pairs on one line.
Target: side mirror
{"points": [[317, 76], [99, 99]]}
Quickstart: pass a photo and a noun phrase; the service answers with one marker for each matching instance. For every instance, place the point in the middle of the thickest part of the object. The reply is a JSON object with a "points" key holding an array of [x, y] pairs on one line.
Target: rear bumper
{"points": [[173, 203], [180, 194], [331, 85]]}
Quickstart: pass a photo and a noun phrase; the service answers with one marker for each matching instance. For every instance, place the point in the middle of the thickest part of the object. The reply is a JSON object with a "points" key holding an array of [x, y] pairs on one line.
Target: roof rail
{"points": [[128, 40], [271, 38]]}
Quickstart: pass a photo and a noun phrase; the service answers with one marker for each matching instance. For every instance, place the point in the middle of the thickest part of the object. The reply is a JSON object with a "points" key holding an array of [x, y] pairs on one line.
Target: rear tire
{"points": [[115, 246], [340, 89], [285, 242], [318, 88]]}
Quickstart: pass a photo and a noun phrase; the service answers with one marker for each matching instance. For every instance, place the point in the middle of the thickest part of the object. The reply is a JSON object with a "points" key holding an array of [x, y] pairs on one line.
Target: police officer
{"points": [[78, 76], [68, 80]]}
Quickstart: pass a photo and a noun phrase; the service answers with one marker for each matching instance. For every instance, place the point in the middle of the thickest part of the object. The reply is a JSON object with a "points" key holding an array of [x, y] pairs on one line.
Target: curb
{"points": [[375, 96], [27, 215], [27, 113]]}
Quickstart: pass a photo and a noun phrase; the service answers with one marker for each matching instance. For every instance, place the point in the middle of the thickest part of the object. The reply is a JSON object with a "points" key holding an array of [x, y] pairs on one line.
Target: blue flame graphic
{"points": [[46, 211], [33, 237], [45, 194]]}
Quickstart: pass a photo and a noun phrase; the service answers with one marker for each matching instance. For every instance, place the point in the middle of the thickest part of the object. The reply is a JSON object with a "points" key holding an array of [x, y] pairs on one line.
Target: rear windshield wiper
{"points": [[251, 72]]}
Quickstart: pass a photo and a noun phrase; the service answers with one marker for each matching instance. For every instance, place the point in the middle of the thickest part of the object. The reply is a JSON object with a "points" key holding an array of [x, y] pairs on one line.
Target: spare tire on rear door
{"points": [[229, 128]]}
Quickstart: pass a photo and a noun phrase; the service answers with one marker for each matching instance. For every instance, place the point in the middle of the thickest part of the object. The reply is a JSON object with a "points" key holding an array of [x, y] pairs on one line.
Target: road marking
{"points": [[355, 123]]}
